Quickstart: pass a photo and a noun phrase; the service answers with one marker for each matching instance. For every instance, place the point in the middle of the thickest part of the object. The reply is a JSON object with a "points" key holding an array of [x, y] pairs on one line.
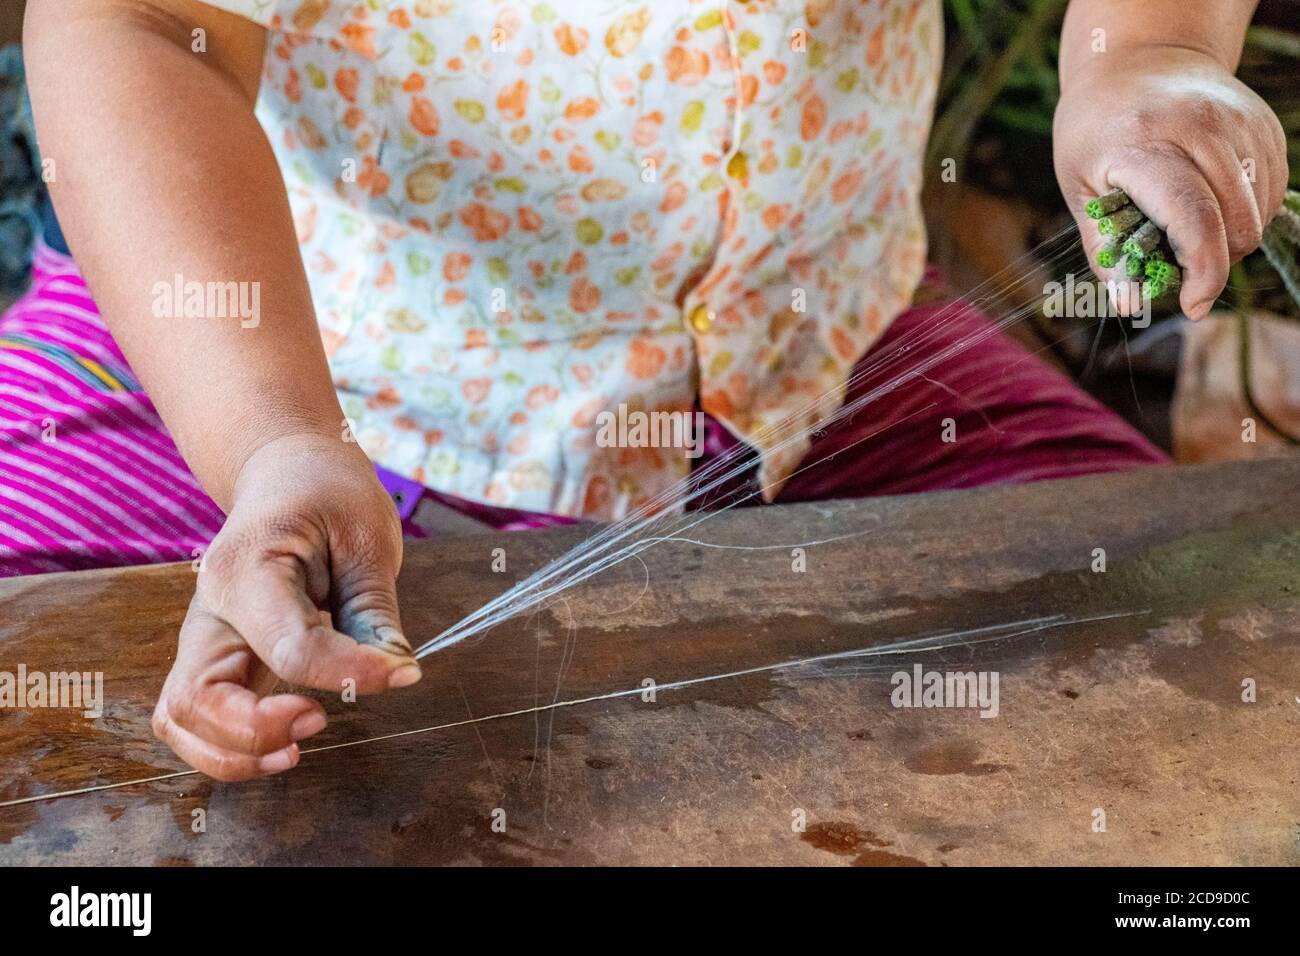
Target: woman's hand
{"points": [[1195, 149], [311, 537]]}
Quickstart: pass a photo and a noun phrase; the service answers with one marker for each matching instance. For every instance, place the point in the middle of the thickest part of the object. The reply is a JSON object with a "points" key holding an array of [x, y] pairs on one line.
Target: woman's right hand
{"points": [[299, 585]]}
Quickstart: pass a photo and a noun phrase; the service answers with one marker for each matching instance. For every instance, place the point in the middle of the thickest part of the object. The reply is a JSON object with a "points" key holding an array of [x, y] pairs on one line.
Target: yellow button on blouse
{"points": [[701, 318]]}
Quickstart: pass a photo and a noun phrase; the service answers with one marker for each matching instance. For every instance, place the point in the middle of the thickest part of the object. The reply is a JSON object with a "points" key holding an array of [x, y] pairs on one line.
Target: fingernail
{"points": [[312, 722], [404, 676], [1201, 309], [395, 638], [280, 760]]}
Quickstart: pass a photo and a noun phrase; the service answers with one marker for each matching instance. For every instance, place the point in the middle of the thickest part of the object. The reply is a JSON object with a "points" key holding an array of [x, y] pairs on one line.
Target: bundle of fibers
{"points": [[1138, 246], [1135, 244]]}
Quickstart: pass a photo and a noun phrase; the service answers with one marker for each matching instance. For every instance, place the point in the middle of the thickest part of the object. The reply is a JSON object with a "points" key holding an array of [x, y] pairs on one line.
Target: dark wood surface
{"points": [[1140, 716]]}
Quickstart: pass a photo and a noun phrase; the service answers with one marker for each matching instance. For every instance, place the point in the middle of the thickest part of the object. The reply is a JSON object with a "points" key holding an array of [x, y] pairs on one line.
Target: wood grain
{"points": [[1139, 716]]}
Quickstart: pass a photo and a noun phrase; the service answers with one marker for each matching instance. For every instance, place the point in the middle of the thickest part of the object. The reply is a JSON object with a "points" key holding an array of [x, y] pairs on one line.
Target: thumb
{"points": [[366, 610]]}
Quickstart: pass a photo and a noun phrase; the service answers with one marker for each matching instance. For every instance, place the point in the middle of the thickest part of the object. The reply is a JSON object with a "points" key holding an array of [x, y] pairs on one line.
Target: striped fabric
{"points": [[88, 476]]}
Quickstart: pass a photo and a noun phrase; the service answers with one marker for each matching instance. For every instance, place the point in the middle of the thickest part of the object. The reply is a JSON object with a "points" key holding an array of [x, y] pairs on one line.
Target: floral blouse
{"points": [[516, 215]]}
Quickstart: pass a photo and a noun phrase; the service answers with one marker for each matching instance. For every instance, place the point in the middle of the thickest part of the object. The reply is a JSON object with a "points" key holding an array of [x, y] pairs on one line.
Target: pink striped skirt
{"points": [[90, 478]]}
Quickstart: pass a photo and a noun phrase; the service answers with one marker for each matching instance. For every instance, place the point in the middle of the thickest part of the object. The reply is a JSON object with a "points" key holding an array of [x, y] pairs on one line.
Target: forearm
{"points": [[1216, 29], [161, 169]]}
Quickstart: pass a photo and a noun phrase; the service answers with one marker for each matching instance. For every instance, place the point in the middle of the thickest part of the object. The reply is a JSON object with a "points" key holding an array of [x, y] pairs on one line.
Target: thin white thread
{"points": [[934, 642], [560, 573]]}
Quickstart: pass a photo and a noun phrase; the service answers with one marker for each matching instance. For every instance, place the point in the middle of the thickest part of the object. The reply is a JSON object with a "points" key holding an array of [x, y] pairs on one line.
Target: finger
{"points": [[1272, 174], [215, 761], [208, 692], [1125, 295], [269, 607], [1238, 202], [235, 718], [1170, 189]]}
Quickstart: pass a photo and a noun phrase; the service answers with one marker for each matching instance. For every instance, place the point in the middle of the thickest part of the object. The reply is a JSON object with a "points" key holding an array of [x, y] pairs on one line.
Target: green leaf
{"points": [[472, 110], [589, 231], [421, 50]]}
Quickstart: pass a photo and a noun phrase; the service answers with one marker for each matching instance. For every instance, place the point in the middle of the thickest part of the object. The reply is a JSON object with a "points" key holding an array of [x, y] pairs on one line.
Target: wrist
{"points": [[1101, 36], [288, 448]]}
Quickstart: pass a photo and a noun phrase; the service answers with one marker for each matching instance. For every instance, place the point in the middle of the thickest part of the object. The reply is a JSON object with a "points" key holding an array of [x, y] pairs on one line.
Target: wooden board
{"points": [[1139, 715]]}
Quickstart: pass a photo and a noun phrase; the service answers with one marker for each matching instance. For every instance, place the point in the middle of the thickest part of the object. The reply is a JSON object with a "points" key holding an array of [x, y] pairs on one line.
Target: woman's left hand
{"points": [[1195, 149]]}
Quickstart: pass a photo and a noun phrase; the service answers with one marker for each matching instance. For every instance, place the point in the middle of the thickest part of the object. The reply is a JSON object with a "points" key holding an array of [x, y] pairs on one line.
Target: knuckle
{"points": [[225, 768], [290, 656], [160, 724], [182, 706], [1246, 237]]}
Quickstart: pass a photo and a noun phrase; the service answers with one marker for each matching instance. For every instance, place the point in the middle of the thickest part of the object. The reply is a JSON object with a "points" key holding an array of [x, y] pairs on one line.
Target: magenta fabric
{"points": [[90, 478], [88, 475]]}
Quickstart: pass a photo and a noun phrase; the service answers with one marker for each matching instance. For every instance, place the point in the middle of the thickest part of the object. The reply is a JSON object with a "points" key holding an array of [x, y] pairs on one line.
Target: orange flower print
{"points": [[775, 215], [844, 345], [876, 46], [476, 390], [345, 81], [541, 395], [646, 359], [816, 10], [542, 146], [571, 41], [847, 185], [512, 101], [686, 65], [597, 496], [360, 38], [309, 14], [507, 25], [305, 224], [373, 179], [646, 129], [581, 108], [424, 117], [674, 196], [813, 119], [624, 34], [310, 134], [580, 160], [487, 224], [424, 183], [584, 295], [386, 397], [456, 266]]}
